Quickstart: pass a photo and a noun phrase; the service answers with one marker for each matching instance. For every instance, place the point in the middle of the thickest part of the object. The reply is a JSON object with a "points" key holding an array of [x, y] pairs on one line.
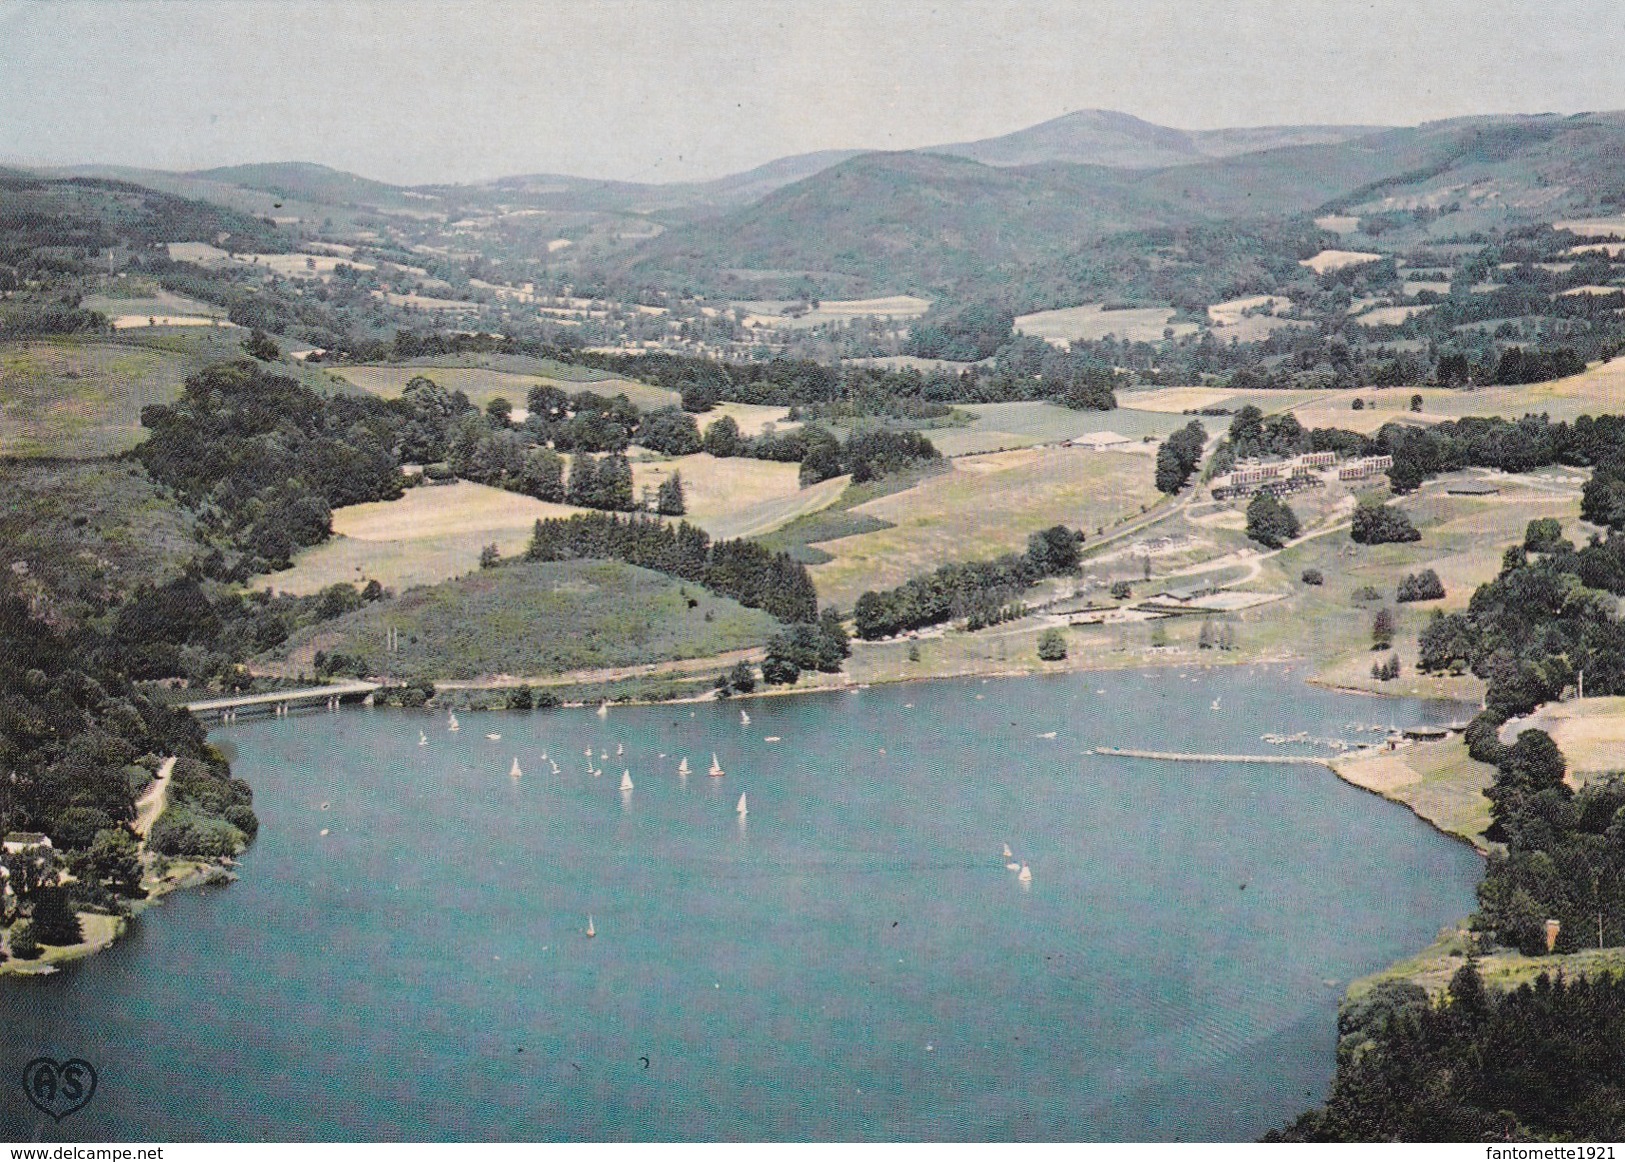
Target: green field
{"points": [[982, 507], [999, 426], [483, 384], [81, 399], [534, 619]]}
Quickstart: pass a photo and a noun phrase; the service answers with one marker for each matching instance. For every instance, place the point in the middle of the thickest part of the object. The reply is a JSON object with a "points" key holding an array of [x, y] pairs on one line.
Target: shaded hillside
{"points": [[925, 223], [913, 221], [308, 182]]}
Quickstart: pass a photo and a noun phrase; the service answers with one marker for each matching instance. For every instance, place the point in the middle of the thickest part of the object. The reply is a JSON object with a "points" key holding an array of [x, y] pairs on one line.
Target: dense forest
{"points": [[1543, 1062]]}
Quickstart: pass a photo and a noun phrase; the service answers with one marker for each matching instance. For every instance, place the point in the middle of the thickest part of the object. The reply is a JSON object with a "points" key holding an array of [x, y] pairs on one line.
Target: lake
{"points": [[852, 960]]}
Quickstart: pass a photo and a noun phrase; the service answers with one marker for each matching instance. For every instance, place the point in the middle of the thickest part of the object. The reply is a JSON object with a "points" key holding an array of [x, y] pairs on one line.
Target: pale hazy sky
{"points": [[664, 90]]}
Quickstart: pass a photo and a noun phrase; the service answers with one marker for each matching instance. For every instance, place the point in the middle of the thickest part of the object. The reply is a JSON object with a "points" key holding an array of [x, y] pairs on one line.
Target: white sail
{"points": [[590, 930], [741, 808], [626, 780], [682, 767], [1025, 875], [514, 772], [744, 719], [452, 723], [423, 739], [716, 767], [619, 750], [1007, 851], [603, 709]]}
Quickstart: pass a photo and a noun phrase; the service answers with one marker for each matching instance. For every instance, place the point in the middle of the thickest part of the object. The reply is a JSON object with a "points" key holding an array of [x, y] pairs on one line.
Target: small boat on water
{"points": [[591, 931], [423, 739], [744, 719], [1013, 866], [716, 768], [1025, 875], [451, 722], [514, 772], [494, 737], [1215, 704], [626, 780], [1007, 852], [1047, 734], [682, 767], [619, 750], [741, 808], [603, 709], [772, 738]]}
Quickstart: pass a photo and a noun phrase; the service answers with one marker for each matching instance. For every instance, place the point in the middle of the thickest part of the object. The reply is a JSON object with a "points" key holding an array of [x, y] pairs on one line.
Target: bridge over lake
{"points": [[280, 702]]}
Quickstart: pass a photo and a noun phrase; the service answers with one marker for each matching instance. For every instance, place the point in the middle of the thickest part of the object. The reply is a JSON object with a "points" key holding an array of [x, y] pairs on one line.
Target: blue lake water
{"points": [[854, 962]]}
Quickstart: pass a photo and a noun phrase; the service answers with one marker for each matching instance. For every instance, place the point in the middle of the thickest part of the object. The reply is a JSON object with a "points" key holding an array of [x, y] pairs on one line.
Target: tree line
{"points": [[982, 593], [746, 572]]}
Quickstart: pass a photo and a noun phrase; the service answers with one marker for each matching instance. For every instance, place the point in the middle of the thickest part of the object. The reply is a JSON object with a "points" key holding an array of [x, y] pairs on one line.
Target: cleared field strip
{"points": [[1093, 321], [736, 496], [982, 507], [481, 386], [432, 534]]}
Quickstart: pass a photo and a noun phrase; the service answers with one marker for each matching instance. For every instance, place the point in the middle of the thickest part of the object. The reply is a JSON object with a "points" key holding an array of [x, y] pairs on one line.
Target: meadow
{"points": [[736, 496], [482, 384], [432, 534], [1094, 321], [981, 507], [81, 399], [751, 417], [997, 426], [525, 619]]}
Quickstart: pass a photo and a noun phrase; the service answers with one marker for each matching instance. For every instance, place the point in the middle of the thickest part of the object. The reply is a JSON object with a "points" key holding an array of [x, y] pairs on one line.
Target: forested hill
{"points": [[927, 223]]}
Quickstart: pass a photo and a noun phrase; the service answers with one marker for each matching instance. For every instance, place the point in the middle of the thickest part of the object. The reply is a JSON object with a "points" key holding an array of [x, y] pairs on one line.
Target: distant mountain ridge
{"points": [[1121, 140], [888, 223], [1086, 137]]}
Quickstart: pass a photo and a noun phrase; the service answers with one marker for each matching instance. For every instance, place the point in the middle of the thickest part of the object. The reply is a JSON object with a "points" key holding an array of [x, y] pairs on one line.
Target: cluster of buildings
{"points": [[1278, 477]]}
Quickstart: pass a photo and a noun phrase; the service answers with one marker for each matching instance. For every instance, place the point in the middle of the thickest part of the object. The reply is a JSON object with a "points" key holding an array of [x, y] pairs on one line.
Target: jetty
{"points": [[280, 702], [1179, 757]]}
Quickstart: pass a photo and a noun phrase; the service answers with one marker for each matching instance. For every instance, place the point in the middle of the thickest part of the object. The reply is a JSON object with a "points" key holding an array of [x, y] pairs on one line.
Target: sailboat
{"points": [[744, 719], [603, 709], [716, 768], [451, 721], [590, 930], [1007, 852], [619, 750], [682, 767], [1025, 875], [626, 780], [423, 739], [741, 810], [514, 772]]}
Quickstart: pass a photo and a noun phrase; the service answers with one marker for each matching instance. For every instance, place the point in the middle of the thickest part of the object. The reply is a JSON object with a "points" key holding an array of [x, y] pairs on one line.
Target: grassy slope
{"points": [[79, 398], [90, 530], [432, 534], [528, 618], [982, 507]]}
